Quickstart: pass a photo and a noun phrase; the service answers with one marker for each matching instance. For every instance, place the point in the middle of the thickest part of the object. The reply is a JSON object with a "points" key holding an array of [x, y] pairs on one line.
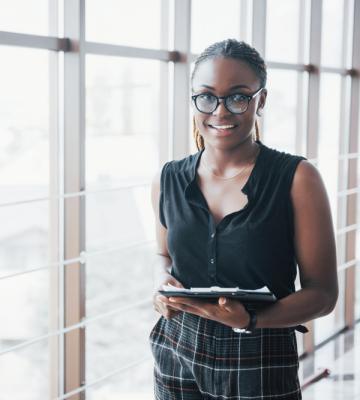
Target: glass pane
{"points": [[24, 16], [122, 120], [357, 254], [25, 372], [212, 21], [24, 124], [300, 343], [331, 35], [333, 322], [134, 23], [119, 341], [121, 385], [26, 312], [357, 291], [357, 269], [24, 159], [280, 110], [118, 218], [329, 124], [25, 229], [329, 119], [282, 16], [118, 278], [24, 237]]}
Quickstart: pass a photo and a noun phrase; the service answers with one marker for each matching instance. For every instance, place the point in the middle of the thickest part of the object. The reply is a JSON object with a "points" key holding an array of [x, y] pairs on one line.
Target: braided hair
{"points": [[231, 48]]}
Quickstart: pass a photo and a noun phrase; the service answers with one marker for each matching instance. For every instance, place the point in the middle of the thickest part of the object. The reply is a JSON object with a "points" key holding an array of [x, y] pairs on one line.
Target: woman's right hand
{"points": [[160, 302]]}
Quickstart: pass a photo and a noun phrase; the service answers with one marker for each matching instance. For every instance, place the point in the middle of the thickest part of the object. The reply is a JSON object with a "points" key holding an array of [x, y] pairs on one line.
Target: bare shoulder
{"points": [[307, 181], [306, 170], [310, 199]]}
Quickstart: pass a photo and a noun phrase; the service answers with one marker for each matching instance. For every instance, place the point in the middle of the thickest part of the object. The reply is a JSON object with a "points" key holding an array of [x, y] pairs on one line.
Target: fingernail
{"points": [[172, 299]]}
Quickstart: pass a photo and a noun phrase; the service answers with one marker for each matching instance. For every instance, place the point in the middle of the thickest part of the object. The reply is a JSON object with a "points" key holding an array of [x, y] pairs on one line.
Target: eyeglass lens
{"points": [[235, 103]]}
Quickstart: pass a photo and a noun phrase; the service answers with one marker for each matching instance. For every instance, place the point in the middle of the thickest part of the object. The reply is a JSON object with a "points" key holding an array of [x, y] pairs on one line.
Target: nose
{"points": [[221, 109]]}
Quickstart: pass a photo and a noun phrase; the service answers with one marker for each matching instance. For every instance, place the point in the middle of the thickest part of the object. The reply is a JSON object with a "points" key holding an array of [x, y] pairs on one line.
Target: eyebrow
{"points": [[233, 87]]}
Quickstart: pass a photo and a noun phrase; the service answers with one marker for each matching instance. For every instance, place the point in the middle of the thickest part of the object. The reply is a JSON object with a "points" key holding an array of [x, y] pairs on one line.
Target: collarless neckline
{"points": [[253, 172]]}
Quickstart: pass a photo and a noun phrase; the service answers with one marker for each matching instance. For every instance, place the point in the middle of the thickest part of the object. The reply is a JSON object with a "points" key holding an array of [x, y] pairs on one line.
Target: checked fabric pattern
{"points": [[198, 358]]}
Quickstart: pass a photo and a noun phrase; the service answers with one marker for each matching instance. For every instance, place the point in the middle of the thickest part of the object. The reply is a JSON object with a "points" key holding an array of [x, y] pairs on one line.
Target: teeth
{"points": [[223, 126]]}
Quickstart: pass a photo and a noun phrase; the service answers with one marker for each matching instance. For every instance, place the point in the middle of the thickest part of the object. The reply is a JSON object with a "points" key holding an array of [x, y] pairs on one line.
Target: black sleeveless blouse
{"points": [[249, 248]]}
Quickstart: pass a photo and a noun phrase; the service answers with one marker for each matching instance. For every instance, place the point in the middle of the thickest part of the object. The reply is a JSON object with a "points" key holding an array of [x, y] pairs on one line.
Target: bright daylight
{"points": [[179, 199]]}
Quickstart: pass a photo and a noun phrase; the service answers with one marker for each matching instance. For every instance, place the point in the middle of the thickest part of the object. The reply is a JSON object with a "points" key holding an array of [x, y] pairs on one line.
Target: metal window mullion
{"points": [[162, 138], [245, 20], [334, 70], [181, 80], [105, 49], [259, 26], [312, 137], [301, 102], [352, 170], [343, 131], [33, 41], [74, 181], [300, 95], [286, 66], [54, 289], [259, 39]]}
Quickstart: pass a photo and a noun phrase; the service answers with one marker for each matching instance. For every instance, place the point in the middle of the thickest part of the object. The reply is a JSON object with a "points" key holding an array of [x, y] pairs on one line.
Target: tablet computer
{"points": [[251, 298]]}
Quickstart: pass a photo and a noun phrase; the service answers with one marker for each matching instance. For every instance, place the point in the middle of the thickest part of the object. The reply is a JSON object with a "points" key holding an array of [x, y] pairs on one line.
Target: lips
{"points": [[223, 126], [223, 130]]}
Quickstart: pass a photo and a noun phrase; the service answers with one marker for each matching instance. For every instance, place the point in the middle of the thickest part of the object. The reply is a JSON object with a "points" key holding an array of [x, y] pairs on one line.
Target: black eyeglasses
{"points": [[236, 103]]}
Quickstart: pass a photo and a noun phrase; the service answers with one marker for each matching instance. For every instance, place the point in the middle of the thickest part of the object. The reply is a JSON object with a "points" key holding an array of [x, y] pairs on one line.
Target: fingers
{"points": [[194, 303], [177, 304], [161, 305], [190, 309], [175, 282], [193, 306], [229, 304]]}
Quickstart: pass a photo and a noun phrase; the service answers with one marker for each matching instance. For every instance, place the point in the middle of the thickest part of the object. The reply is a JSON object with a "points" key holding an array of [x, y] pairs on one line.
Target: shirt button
{"points": [[212, 261], [213, 234]]}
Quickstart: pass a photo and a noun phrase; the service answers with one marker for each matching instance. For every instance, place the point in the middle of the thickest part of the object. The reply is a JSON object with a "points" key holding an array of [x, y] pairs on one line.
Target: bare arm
{"points": [[316, 256], [163, 261], [315, 252]]}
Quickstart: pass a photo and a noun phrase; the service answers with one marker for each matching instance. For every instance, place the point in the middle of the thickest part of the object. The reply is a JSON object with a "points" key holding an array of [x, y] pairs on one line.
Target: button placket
{"points": [[212, 252]]}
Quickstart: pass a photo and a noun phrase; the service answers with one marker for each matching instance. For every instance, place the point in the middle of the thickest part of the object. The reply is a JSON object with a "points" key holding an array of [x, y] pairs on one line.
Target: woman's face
{"points": [[221, 77]]}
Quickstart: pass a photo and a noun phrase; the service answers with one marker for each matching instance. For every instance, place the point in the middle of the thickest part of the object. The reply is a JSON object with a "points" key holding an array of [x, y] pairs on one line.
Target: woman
{"points": [[237, 213]]}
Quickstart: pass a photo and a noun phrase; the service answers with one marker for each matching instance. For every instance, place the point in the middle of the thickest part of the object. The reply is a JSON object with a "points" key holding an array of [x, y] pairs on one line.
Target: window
{"points": [[14, 16], [83, 133], [136, 24]]}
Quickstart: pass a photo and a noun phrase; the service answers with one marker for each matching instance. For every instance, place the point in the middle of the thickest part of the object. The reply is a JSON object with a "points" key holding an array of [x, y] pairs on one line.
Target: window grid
{"points": [[179, 98]]}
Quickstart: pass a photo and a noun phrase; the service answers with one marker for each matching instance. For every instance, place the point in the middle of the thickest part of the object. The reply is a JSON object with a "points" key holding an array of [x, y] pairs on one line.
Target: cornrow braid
{"points": [[238, 50]]}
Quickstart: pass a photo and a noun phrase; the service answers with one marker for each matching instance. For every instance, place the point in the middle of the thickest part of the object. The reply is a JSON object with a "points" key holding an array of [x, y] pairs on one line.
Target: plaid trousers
{"points": [[196, 358]]}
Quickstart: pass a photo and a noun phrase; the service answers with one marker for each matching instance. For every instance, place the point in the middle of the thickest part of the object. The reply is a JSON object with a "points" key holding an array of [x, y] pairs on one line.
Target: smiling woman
{"points": [[237, 214]]}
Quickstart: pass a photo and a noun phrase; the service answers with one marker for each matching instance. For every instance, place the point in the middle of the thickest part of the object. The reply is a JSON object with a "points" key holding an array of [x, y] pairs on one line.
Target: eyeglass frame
{"points": [[248, 97]]}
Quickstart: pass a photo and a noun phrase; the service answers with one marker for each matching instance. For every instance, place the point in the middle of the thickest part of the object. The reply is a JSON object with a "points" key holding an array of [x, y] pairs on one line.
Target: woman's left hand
{"points": [[227, 311]]}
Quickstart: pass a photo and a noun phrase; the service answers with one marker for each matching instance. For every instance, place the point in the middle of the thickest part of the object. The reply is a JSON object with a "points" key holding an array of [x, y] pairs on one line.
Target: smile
{"points": [[222, 126]]}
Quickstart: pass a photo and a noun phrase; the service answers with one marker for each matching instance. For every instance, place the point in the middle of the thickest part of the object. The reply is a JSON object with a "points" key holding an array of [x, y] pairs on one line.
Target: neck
{"points": [[225, 162]]}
